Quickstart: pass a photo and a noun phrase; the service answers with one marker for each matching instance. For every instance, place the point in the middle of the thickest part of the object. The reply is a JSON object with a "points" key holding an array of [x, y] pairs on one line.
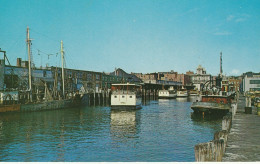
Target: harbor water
{"points": [[162, 131]]}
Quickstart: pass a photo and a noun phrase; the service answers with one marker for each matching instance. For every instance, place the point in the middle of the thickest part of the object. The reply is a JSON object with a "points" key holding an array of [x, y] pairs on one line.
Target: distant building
{"points": [[126, 77], [200, 78], [251, 82], [235, 83]]}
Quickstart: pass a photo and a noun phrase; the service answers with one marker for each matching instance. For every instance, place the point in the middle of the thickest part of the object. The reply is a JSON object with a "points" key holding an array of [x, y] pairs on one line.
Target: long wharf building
{"points": [[16, 77]]}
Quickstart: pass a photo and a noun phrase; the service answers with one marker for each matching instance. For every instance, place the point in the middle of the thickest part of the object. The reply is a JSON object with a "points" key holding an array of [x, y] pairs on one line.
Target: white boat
{"points": [[126, 96], [167, 94], [182, 93], [194, 93]]}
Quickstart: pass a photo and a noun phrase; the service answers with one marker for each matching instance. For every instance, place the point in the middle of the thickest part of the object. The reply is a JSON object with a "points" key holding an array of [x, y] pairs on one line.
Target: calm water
{"points": [[163, 130]]}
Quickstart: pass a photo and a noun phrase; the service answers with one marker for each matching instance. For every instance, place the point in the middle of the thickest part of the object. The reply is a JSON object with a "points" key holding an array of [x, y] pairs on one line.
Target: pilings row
{"points": [[149, 94], [93, 99], [215, 149], [103, 98]]}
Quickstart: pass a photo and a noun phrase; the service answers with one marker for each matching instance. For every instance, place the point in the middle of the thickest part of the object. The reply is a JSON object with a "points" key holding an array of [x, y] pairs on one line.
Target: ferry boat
{"points": [[213, 104], [182, 93], [193, 93], [167, 94], [126, 96]]}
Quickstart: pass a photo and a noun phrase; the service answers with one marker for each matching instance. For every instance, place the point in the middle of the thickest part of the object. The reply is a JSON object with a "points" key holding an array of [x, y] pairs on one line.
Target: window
{"points": [[123, 96], [254, 81], [130, 96], [115, 96]]}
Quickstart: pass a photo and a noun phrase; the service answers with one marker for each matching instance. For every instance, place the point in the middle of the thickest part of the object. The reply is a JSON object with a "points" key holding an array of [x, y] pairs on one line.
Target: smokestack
{"points": [[19, 62], [221, 70]]}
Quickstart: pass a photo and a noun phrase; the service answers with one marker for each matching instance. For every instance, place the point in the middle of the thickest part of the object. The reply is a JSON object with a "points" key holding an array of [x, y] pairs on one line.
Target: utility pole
{"points": [[28, 40], [62, 61]]}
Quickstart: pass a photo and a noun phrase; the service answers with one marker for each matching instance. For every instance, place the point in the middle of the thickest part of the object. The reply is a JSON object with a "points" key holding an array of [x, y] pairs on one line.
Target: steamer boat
{"points": [[126, 96]]}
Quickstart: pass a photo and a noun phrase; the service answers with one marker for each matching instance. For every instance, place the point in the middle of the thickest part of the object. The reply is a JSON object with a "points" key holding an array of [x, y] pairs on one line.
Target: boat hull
{"points": [[167, 97], [10, 108], [126, 107], [48, 105], [210, 107], [182, 95]]}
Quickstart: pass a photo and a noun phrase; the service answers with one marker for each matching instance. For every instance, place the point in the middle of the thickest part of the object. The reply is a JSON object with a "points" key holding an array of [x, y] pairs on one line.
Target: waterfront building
{"points": [[200, 78], [251, 82], [16, 77], [235, 83]]}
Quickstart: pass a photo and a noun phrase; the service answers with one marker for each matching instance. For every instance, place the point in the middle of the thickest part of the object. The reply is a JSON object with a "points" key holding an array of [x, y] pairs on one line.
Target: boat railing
{"points": [[210, 104], [124, 92]]}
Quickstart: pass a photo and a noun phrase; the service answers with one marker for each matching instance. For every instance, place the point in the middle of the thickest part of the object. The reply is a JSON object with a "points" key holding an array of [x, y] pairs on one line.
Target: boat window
{"points": [[123, 96], [115, 96], [130, 96]]}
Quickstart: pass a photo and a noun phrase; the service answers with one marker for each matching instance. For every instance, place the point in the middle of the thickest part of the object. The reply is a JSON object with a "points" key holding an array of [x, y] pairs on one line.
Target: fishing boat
{"points": [[213, 104], [9, 101], [126, 96], [49, 102], [182, 93], [167, 94], [9, 98]]}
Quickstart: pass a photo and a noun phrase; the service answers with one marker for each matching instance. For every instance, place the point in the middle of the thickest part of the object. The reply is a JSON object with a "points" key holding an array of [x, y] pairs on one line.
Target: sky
{"points": [[141, 36]]}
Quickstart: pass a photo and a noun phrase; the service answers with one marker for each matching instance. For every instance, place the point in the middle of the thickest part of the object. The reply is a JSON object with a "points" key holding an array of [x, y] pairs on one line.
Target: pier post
{"points": [[103, 97], [248, 108], [210, 151], [222, 135], [99, 99], [226, 123], [233, 109], [94, 99]]}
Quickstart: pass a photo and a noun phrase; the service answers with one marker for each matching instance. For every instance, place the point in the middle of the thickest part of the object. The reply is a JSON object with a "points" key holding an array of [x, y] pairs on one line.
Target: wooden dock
{"points": [[243, 140]]}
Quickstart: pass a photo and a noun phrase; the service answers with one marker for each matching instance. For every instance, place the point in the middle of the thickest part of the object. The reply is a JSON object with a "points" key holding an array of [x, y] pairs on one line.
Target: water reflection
{"points": [[124, 124]]}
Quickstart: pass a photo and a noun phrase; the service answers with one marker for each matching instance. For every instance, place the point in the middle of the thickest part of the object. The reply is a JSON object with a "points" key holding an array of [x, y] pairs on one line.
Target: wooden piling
{"points": [[226, 123]]}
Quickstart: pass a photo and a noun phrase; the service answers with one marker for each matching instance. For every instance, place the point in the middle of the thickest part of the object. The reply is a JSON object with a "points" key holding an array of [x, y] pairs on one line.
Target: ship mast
{"points": [[28, 41], [62, 61]]}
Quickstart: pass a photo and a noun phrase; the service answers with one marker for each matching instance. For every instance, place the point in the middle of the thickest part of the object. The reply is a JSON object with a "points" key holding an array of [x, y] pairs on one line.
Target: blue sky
{"points": [[135, 35]]}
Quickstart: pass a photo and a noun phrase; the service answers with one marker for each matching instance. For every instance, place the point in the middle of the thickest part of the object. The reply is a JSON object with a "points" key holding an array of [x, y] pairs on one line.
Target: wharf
{"points": [[243, 139]]}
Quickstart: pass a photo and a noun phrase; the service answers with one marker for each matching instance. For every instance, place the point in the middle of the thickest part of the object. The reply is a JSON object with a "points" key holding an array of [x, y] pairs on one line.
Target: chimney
{"points": [[19, 62]]}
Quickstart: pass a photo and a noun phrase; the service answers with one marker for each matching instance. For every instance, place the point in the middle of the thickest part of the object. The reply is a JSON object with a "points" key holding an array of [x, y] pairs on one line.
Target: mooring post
{"points": [[103, 97], [94, 98]]}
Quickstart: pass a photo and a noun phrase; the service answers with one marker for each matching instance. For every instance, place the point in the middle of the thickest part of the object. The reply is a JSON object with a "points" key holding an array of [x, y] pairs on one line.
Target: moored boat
{"points": [[193, 93], [182, 93], [167, 94], [126, 96], [212, 104]]}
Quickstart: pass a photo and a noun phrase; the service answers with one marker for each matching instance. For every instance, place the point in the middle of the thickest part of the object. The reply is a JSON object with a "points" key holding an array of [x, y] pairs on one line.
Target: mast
{"points": [[62, 61], [28, 41]]}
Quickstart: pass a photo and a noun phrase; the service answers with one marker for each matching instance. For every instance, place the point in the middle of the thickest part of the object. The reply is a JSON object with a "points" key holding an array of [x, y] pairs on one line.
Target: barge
{"points": [[212, 104]]}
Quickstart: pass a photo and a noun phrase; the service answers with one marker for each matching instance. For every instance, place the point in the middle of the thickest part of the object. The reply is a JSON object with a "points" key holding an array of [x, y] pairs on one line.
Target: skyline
{"points": [[136, 36]]}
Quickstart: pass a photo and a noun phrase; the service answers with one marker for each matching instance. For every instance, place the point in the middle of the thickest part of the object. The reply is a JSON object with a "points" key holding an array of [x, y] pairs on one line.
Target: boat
{"points": [[213, 104], [193, 93], [9, 101], [126, 96], [49, 102], [167, 94], [182, 93]]}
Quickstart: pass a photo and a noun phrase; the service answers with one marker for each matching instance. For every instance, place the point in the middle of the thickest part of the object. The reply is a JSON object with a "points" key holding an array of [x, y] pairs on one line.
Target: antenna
{"points": [[221, 70]]}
